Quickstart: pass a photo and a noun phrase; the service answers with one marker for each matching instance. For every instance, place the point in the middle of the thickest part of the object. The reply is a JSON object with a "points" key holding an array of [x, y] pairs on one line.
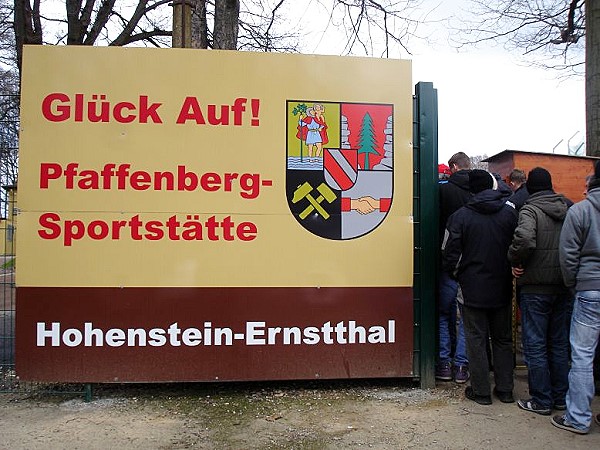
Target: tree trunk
{"points": [[592, 77], [75, 27], [27, 26], [226, 24], [199, 24]]}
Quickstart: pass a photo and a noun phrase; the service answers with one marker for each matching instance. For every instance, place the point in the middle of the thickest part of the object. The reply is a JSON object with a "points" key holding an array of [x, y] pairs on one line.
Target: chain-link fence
{"points": [[8, 379], [9, 143]]}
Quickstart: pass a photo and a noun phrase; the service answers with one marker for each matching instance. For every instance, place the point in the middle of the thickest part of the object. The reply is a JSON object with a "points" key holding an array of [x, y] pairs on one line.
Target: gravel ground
{"points": [[379, 414]]}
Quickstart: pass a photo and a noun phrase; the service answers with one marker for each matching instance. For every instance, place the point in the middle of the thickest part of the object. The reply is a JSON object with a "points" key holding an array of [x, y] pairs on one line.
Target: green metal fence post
{"points": [[426, 217], [87, 389]]}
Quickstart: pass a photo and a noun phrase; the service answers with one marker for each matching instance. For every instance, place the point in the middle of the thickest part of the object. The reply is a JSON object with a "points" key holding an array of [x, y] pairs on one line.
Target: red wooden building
{"points": [[568, 172]]}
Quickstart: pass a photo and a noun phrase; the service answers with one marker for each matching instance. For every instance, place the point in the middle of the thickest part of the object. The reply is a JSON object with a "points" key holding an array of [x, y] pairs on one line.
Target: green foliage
{"points": [[367, 142], [300, 109]]}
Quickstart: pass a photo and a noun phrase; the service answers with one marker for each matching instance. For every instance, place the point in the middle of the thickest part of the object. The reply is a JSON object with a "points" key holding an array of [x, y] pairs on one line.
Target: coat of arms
{"points": [[339, 173]]}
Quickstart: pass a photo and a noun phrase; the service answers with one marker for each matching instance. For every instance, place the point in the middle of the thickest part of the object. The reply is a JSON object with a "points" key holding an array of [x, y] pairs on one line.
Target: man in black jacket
{"points": [[455, 193], [475, 245], [517, 181], [452, 360]]}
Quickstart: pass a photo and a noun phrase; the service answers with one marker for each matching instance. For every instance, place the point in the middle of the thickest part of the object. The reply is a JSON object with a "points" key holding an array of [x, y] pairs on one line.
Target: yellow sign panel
{"points": [[182, 168]]}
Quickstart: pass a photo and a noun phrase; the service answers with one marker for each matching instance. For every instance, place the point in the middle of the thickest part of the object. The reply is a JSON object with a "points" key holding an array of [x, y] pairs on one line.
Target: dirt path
{"points": [[334, 415]]}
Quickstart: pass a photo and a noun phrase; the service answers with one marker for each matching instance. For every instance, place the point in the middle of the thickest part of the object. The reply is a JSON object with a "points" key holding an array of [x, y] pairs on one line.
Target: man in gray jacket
{"points": [[543, 296], [580, 264]]}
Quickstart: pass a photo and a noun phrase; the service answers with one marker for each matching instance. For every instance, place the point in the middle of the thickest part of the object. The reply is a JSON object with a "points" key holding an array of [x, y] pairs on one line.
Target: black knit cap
{"points": [[539, 179], [480, 180]]}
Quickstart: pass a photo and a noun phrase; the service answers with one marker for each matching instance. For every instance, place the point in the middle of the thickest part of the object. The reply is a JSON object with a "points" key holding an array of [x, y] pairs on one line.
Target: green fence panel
{"points": [[426, 217]]}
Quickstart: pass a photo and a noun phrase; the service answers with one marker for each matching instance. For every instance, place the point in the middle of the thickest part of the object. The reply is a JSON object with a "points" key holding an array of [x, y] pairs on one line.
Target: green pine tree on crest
{"points": [[367, 143]]}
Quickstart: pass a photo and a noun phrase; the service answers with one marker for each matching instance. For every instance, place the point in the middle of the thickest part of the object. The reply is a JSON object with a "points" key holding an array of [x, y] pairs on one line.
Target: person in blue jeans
{"points": [[452, 360], [543, 296], [580, 260]]}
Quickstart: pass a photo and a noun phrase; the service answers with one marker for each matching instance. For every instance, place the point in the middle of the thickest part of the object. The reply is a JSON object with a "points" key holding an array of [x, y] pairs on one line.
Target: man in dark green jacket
{"points": [[543, 297]]}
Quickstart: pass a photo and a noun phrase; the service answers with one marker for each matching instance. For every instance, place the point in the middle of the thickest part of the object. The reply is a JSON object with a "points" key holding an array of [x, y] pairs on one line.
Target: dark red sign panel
{"points": [[207, 334]]}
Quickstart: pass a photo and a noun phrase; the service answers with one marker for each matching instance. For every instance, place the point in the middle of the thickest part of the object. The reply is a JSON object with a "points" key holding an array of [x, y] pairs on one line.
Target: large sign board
{"points": [[196, 215]]}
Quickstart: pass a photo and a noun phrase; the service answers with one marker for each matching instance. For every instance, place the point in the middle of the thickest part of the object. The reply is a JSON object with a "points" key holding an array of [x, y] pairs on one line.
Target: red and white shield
{"points": [[340, 167]]}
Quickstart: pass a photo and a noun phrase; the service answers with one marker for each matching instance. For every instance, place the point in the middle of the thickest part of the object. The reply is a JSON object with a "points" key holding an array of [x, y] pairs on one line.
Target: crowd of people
{"points": [[520, 239]]}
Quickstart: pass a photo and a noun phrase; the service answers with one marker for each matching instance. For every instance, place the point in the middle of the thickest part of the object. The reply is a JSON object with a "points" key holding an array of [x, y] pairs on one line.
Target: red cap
{"points": [[443, 168]]}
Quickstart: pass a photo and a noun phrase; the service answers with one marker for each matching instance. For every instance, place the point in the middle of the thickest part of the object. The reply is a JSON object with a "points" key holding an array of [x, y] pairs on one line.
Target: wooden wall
{"points": [[568, 172]]}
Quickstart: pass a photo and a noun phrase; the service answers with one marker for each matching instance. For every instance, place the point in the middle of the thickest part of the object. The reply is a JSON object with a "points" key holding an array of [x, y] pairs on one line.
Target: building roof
{"points": [[508, 152]]}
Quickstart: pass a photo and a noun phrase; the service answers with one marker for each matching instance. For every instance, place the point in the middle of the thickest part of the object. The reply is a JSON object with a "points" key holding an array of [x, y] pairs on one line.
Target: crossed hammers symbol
{"points": [[304, 191]]}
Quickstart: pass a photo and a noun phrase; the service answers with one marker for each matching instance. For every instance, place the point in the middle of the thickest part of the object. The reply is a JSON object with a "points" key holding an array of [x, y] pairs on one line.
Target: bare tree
{"points": [[371, 27], [200, 38], [258, 25], [550, 33], [7, 35], [219, 24], [227, 14], [592, 79], [374, 28], [477, 162], [9, 127], [9, 103], [93, 22]]}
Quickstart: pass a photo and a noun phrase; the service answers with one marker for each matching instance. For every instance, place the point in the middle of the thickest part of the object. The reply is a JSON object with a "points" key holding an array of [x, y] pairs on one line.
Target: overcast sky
{"points": [[489, 100]]}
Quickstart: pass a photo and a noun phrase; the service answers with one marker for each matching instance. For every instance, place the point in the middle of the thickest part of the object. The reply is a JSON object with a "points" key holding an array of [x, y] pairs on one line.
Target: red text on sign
{"points": [[218, 114], [137, 229], [60, 107]]}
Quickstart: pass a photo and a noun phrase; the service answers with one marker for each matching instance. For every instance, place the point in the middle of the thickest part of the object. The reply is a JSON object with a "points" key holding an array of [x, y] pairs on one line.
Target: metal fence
{"points": [[8, 380], [9, 134]]}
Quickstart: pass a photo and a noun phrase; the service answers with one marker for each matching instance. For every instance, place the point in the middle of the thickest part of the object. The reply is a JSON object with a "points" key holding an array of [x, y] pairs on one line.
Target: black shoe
{"points": [[597, 419], [504, 397], [443, 372], [461, 374], [530, 405], [481, 399], [560, 406], [560, 422]]}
